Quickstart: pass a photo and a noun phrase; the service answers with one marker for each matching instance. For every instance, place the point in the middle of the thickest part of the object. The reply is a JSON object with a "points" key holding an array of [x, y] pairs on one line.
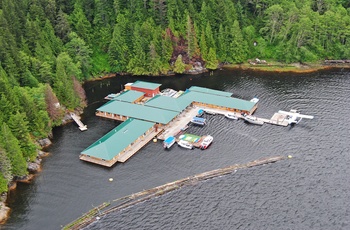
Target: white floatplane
{"points": [[206, 142], [294, 117], [185, 144]]}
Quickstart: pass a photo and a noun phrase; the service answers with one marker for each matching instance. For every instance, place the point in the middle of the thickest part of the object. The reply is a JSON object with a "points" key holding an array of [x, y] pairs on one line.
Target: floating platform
{"points": [[76, 118]]}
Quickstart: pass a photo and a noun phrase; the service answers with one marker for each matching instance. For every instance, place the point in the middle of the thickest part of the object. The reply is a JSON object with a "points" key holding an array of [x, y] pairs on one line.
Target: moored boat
{"points": [[198, 121], [168, 142], [211, 112], [253, 120], [206, 142], [231, 116], [185, 144], [200, 113]]}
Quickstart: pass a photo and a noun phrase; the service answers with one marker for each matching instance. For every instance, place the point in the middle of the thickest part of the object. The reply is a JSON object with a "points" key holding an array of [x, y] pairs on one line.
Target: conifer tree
{"points": [[19, 128], [179, 66], [11, 145], [212, 62]]}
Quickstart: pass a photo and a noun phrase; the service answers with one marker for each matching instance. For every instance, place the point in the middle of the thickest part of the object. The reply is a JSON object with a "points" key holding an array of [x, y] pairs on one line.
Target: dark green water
{"points": [[311, 191]]}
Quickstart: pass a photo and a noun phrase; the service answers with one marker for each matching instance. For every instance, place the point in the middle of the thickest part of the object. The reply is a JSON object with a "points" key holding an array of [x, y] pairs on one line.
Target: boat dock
{"points": [[77, 120], [162, 116], [174, 127]]}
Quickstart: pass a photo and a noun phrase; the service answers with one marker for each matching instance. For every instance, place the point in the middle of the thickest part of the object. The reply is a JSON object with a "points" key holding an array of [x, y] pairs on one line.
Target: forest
{"points": [[48, 48]]}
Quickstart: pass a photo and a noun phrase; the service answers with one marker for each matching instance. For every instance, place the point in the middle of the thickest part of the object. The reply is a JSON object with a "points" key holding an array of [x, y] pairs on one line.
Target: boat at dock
{"points": [[206, 142], [231, 116], [185, 144], [200, 113], [168, 142], [198, 121], [255, 100], [211, 112], [253, 120]]}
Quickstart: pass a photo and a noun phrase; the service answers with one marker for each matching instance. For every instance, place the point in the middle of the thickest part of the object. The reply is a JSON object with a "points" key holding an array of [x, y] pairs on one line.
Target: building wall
{"points": [[148, 92]]}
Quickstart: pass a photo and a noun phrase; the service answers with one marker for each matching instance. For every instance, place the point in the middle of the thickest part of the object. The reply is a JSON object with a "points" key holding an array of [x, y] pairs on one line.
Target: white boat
{"points": [[211, 112], [231, 116], [198, 121], [255, 100], [206, 142], [253, 120], [185, 144], [168, 142]]}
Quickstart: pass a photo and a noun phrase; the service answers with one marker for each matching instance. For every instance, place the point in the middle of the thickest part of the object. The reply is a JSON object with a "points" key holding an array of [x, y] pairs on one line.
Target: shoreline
{"points": [[33, 168], [268, 67], [287, 68]]}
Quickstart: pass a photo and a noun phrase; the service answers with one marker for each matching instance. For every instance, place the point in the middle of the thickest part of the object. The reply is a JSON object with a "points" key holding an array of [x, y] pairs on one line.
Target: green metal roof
{"points": [[210, 91], [168, 103], [212, 99], [129, 96], [146, 85], [118, 139], [138, 111]]}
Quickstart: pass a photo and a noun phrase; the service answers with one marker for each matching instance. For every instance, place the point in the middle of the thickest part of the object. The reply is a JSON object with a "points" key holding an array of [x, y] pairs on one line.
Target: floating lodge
{"points": [[147, 113]]}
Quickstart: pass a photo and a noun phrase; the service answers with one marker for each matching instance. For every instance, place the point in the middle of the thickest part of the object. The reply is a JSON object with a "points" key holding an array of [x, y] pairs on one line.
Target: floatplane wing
{"points": [[295, 114], [294, 117]]}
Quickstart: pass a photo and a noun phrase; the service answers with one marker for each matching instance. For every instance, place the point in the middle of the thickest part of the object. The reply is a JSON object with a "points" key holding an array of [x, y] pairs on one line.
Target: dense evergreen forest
{"points": [[49, 47]]}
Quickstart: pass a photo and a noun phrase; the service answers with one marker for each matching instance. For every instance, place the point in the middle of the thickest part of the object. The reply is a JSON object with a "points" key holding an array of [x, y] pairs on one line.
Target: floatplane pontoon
{"points": [[294, 117]]}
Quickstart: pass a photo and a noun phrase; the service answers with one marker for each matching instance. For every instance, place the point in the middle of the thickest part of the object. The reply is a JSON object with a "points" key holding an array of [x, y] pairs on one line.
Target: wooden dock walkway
{"points": [[77, 120], [174, 127], [138, 145]]}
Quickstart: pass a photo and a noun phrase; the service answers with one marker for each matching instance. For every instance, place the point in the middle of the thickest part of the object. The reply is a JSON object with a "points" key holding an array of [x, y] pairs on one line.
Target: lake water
{"points": [[309, 191]]}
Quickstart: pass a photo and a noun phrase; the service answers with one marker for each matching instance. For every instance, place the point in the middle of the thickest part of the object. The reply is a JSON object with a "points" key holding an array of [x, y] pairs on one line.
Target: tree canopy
{"points": [[49, 47]]}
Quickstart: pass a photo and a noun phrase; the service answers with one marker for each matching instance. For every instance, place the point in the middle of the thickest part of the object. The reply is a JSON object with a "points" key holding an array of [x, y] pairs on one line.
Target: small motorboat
{"points": [[198, 121], [231, 116], [200, 113], [185, 144], [253, 120], [211, 112], [206, 142], [168, 142]]}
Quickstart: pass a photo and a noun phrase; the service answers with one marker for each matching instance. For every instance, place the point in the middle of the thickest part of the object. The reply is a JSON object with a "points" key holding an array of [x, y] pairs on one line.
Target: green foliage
{"points": [[11, 145], [212, 61], [47, 47], [179, 66]]}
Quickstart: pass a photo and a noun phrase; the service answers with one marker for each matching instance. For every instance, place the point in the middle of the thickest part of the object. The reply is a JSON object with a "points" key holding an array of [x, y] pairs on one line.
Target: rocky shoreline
{"points": [[33, 168]]}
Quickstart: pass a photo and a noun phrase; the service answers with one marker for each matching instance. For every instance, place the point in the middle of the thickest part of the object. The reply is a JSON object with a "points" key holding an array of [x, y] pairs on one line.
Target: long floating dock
{"points": [[127, 201]]}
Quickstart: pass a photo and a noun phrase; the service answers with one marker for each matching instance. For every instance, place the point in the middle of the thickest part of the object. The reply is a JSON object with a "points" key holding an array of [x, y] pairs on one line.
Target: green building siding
{"points": [[146, 85], [129, 96], [138, 111], [118, 139], [168, 103], [210, 91]]}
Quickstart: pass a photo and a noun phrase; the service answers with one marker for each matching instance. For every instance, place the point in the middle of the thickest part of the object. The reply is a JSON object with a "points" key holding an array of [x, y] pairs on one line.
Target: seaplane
{"points": [[294, 117]]}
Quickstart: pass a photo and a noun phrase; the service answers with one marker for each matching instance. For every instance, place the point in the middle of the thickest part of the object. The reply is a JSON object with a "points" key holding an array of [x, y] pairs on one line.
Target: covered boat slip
{"points": [[168, 103], [210, 91], [219, 102], [131, 96], [119, 110], [120, 143]]}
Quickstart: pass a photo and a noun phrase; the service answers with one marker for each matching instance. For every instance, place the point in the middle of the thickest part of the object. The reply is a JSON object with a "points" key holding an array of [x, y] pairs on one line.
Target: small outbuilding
{"points": [[150, 89]]}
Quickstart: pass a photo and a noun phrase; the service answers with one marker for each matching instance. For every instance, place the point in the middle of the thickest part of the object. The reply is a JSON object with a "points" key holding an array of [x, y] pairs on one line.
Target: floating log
{"points": [[127, 201]]}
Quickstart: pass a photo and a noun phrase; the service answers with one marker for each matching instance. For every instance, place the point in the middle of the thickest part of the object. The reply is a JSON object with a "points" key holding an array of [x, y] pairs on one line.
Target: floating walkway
{"points": [[127, 201], [76, 118]]}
